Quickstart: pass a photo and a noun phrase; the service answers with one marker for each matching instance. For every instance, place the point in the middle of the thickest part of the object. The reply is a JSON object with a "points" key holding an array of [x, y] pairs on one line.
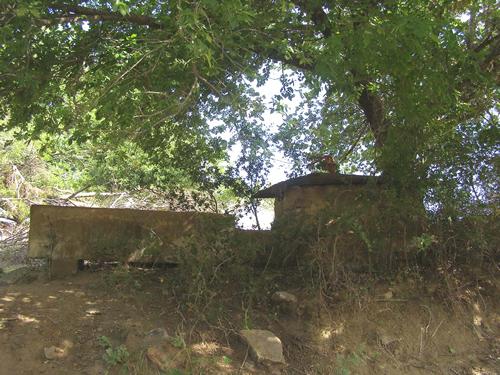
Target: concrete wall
{"points": [[310, 200], [66, 234], [366, 225]]}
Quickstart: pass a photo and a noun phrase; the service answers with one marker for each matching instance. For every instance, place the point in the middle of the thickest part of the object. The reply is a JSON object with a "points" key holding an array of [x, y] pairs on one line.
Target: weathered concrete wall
{"points": [[310, 200], [66, 234], [365, 225]]}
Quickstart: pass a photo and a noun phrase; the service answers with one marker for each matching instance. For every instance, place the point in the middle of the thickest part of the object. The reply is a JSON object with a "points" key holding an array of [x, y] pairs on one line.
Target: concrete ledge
{"points": [[65, 235]]}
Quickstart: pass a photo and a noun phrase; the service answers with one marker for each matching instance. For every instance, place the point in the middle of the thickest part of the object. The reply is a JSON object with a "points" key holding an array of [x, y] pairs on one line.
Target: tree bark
{"points": [[373, 108]]}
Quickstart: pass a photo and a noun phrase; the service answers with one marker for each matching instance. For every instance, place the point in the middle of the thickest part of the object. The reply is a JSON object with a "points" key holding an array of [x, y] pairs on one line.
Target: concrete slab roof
{"points": [[317, 179]]}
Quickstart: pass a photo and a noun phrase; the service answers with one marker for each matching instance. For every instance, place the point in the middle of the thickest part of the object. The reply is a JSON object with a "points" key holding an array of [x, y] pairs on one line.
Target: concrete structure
{"points": [[359, 219], [310, 194], [65, 235]]}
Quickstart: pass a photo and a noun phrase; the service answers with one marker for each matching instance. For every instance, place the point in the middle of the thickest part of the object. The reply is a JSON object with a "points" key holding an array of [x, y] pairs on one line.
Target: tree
{"points": [[383, 82]]}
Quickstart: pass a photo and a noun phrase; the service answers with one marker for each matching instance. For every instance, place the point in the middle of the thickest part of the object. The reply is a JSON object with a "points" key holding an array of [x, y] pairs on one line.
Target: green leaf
{"points": [[22, 11], [121, 7]]}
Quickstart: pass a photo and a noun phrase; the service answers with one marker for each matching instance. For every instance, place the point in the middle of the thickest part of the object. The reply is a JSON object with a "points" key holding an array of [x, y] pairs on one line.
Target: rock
{"points": [[388, 342], [161, 352], [93, 312], [54, 352], [286, 302], [265, 346], [158, 332], [156, 336], [388, 295], [166, 357], [284, 297]]}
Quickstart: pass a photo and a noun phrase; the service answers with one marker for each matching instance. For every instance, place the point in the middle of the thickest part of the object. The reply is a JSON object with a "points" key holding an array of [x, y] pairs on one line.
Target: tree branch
{"points": [[353, 145], [73, 12], [491, 59], [276, 56], [318, 16]]}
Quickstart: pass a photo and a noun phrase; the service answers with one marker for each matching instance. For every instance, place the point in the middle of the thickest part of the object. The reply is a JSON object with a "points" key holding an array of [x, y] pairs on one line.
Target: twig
{"points": [[424, 330], [77, 192], [435, 331], [204, 80], [421, 348], [219, 266], [244, 361], [18, 179], [353, 146], [116, 200]]}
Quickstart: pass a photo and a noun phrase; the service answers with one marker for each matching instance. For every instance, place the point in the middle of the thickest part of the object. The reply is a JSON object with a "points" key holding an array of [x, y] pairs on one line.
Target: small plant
{"points": [[175, 371], [424, 241], [247, 320], [178, 342], [345, 363], [113, 355], [121, 277], [104, 341]]}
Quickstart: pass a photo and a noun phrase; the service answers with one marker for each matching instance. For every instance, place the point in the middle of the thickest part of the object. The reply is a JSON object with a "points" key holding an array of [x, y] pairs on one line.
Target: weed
{"points": [[247, 320], [424, 241], [344, 364], [121, 277], [176, 371], [113, 355], [178, 342], [104, 341]]}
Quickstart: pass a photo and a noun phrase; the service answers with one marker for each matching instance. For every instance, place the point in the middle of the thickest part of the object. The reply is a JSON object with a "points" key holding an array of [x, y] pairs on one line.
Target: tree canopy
{"points": [[407, 88]]}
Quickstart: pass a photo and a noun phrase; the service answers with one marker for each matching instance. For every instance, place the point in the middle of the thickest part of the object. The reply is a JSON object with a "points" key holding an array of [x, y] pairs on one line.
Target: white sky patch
{"points": [[280, 164]]}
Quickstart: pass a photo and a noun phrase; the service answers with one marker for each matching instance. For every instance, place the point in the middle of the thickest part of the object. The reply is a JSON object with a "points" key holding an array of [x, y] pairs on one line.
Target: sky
{"points": [[280, 163]]}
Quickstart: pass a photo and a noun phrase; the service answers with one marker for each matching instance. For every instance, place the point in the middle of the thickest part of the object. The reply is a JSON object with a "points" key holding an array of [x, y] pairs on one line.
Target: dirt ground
{"points": [[384, 329]]}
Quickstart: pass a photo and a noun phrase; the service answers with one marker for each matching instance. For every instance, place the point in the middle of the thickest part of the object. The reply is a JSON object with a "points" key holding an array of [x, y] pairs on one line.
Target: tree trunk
{"points": [[373, 108]]}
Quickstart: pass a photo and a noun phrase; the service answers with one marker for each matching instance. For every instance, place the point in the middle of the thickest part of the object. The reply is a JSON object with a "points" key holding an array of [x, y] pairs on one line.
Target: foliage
{"points": [[122, 279], [178, 342], [468, 240], [113, 355], [24, 175], [52, 168], [214, 262], [404, 88], [348, 362], [373, 235], [253, 166], [175, 372]]}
